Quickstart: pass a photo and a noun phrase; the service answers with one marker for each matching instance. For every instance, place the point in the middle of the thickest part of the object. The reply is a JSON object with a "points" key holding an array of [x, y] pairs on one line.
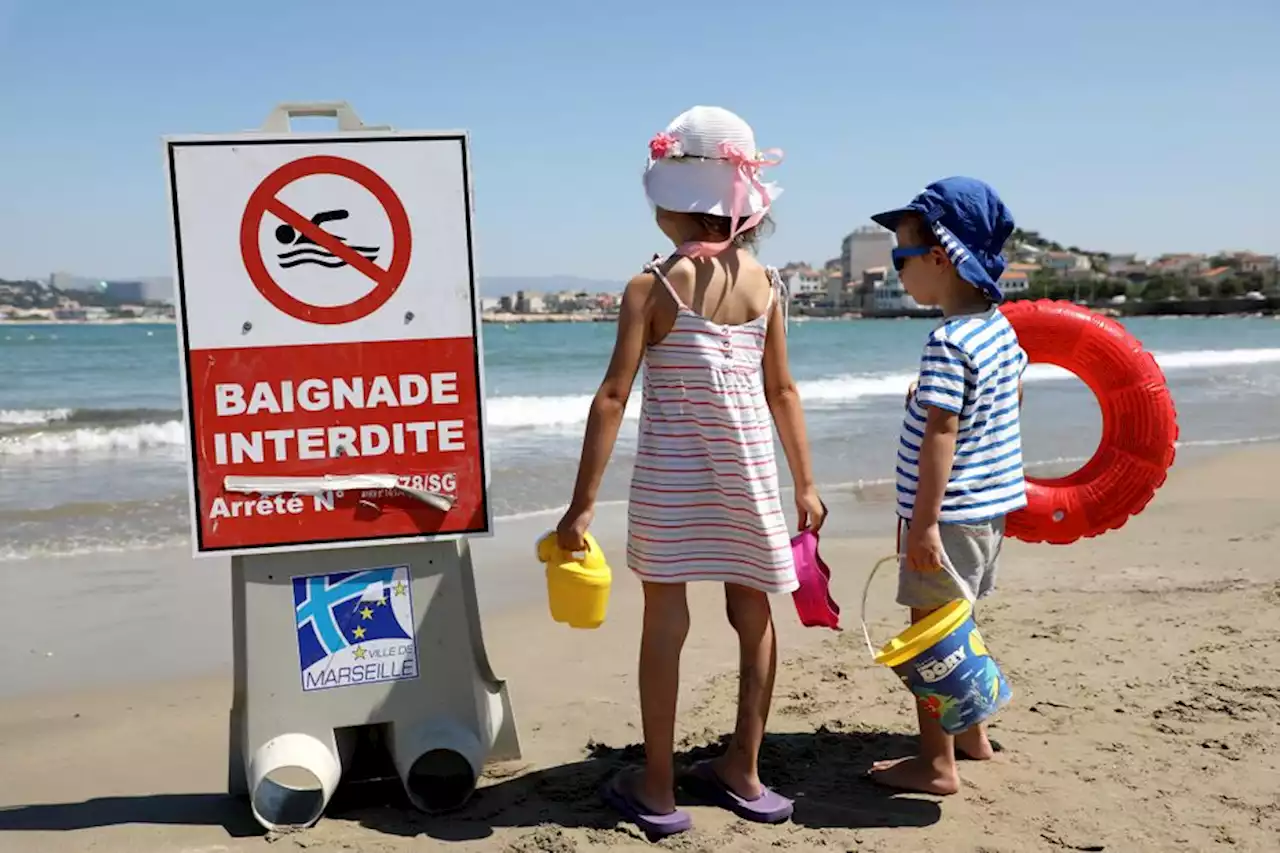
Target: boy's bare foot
{"points": [[973, 745], [914, 774]]}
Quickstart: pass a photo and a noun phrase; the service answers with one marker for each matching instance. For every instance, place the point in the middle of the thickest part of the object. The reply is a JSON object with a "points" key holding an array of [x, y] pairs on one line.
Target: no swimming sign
{"points": [[332, 360]]}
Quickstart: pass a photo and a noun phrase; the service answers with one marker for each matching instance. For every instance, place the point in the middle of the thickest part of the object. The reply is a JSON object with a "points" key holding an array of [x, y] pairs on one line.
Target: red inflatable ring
{"points": [[1139, 423]]}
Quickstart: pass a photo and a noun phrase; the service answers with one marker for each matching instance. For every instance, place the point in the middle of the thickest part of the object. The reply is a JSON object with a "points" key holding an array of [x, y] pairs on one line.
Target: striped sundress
{"points": [[704, 502]]}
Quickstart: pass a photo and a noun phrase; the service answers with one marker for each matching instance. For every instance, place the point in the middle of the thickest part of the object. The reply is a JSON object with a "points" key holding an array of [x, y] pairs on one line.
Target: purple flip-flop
{"points": [[703, 782], [620, 798]]}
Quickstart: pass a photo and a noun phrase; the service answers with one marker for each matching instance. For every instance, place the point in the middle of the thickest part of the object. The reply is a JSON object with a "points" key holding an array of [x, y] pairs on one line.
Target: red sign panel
{"points": [[406, 408]]}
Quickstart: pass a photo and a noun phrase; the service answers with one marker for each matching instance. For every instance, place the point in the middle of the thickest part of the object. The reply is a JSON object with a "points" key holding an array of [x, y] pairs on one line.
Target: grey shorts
{"points": [[974, 552]]}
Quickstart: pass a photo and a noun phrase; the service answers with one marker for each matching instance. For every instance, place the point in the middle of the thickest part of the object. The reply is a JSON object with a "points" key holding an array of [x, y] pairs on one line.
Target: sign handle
{"points": [[278, 119]]}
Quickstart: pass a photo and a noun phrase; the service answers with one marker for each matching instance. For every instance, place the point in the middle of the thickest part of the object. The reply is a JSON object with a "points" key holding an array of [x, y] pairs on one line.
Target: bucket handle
{"points": [[960, 583], [577, 555]]}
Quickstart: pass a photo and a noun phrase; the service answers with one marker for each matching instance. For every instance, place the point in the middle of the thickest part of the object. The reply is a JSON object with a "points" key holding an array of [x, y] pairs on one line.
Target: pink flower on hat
{"points": [[663, 145]]}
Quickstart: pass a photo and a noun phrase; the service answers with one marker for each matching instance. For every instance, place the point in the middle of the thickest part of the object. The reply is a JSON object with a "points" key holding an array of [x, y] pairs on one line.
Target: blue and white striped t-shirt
{"points": [[971, 366]]}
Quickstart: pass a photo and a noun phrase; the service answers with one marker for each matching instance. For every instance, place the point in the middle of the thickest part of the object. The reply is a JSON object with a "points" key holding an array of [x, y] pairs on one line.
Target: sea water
{"points": [[92, 444]]}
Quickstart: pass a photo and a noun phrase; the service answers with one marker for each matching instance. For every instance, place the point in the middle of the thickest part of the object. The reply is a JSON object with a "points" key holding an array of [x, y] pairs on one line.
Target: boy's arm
{"points": [[937, 453], [1022, 368], [940, 395]]}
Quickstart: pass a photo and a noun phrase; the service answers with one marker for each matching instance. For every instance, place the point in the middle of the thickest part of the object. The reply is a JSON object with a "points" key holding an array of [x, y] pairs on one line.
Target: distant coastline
{"points": [[111, 321], [507, 318], [1234, 307], [1239, 307]]}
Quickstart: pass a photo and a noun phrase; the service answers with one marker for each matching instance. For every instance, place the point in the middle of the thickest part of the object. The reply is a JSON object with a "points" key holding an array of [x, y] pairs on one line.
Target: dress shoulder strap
{"points": [[655, 267], [778, 290]]}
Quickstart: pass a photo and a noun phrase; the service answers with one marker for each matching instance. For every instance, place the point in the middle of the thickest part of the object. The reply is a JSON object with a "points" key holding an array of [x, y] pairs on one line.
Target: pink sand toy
{"points": [[814, 604]]}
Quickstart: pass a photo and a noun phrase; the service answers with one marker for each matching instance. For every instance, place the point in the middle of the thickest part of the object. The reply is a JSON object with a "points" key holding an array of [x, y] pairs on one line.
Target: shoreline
{"points": [[1143, 665], [858, 493], [856, 501]]}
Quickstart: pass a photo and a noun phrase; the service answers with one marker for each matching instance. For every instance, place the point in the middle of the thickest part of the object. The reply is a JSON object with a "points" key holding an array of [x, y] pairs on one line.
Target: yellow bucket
{"points": [[577, 583]]}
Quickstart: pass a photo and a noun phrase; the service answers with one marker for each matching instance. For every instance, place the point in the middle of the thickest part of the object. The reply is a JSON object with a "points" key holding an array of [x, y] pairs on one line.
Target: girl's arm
{"points": [[607, 409], [788, 415]]}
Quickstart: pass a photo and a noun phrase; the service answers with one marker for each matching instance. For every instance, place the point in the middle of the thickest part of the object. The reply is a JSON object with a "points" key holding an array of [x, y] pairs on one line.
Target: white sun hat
{"points": [[706, 161]]}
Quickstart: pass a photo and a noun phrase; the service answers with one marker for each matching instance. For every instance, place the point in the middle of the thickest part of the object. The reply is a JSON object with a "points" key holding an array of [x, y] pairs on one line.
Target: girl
{"points": [[708, 323]]}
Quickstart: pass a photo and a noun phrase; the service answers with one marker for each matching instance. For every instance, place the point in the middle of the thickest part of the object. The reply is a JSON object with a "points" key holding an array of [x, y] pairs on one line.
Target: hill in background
{"points": [[495, 286], [160, 288]]}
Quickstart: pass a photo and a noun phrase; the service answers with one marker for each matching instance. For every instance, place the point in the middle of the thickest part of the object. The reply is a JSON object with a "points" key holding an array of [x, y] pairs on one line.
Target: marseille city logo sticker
{"points": [[355, 628]]}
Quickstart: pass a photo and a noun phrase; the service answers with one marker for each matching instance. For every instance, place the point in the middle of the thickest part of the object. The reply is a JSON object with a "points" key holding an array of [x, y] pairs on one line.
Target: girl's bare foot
{"points": [[657, 795], [744, 784], [915, 774]]}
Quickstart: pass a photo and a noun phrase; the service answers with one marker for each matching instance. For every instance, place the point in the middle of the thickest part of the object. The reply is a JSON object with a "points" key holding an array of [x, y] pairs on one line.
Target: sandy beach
{"points": [[1144, 665]]}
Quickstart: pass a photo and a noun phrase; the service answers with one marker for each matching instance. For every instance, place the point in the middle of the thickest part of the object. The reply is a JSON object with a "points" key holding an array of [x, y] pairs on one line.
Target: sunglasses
{"points": [[900, 255]]}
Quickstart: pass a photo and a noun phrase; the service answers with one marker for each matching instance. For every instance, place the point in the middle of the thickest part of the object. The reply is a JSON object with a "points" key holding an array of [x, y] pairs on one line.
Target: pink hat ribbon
{"points": [[748, 171]]}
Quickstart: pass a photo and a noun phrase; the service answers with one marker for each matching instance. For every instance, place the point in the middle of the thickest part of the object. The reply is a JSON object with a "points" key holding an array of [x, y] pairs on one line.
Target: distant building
{"points": [[68, 283], [881, 290], [834, 279], [1067, 264], [1180, 264], [1028, 269], [126, 291], [564, 302], [158, 289], [1015, 281], [889, 294], [868, 247], [1125, 266], [488, 304], [864, 295], [806, 285], [530, 302], [122, 291], [1253, 263], [789, 269]]}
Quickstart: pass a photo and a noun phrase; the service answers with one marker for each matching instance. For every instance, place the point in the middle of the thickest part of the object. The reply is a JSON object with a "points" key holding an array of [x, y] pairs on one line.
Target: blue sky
{"points": [[1102, 125]]}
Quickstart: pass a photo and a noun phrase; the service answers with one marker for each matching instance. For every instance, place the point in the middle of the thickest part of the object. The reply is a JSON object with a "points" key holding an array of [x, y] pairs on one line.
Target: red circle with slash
{"points": [[265, 199]]}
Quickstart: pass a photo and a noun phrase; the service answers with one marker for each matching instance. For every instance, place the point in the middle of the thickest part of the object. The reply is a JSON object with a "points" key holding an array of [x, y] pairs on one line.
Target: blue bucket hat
{"points": [[970, 221]]}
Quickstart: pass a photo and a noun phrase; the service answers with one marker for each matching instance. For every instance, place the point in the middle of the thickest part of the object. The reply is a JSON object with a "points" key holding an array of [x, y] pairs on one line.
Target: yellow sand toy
{"points": [[577, 583]]}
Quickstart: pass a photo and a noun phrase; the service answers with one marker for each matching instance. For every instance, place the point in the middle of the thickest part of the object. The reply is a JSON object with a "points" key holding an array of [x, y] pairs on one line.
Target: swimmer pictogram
{"points": [[310, 252]]}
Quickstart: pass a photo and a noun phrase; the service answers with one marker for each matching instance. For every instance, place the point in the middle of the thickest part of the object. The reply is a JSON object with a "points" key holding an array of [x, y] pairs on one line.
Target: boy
{"points": [[959, 466]]}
